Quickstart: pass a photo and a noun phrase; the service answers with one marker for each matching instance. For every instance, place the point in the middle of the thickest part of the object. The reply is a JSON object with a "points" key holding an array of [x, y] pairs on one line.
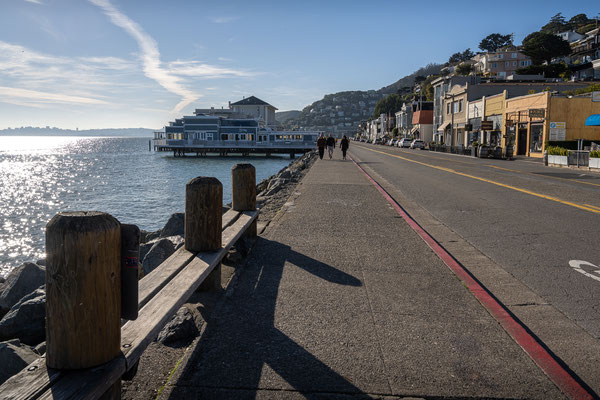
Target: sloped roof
{"points": [[251, 101]]}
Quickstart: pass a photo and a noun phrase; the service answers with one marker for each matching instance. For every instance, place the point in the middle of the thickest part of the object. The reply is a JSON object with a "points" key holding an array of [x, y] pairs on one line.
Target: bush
{"points": [[557, 151], [595, 154]]}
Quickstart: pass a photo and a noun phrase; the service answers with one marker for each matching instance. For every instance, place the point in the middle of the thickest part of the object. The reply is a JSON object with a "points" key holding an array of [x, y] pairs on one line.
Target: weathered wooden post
{"points": [[83, 290], [130, 254], [203, 222], [243, 191]]}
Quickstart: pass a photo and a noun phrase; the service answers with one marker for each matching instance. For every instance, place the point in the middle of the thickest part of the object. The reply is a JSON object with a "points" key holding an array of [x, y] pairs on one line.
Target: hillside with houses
{"points": [[562, 57], [342, 112]]}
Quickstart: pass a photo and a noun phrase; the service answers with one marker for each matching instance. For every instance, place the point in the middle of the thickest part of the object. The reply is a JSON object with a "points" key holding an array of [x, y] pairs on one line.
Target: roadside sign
{"points": [[487, 125], [537, 113], [596, 96], [558, 131]]}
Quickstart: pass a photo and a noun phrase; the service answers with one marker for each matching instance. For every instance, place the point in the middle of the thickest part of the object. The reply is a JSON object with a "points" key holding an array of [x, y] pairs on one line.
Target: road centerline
{"points": [[529, 192]]}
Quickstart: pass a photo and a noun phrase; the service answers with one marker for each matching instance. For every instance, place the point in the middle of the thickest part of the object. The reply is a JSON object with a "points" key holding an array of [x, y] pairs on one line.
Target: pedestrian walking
{"points": [[321, 143], [330, 145], [344, 144]]}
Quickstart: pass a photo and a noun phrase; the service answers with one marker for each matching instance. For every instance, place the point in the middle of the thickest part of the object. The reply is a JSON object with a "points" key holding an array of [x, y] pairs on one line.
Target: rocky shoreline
{"points": [[23, 296]]}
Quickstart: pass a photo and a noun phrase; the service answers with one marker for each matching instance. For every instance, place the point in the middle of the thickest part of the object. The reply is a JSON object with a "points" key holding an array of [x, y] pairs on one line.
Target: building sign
{"points": [[596, 96], [468, 127], [487, 125], [558, 131], [537, 113]]}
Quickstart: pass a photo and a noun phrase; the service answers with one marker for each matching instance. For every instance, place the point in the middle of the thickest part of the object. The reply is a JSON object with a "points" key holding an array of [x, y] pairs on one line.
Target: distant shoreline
{"points": [[78, 134], [110, 132]]}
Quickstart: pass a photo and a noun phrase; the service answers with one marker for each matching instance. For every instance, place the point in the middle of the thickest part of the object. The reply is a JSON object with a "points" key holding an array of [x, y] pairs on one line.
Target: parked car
{"points": [[404, 142], [417, 144]]}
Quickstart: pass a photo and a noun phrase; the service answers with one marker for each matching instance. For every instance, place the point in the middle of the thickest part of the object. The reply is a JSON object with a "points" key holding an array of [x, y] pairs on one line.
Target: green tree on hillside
{"points": [[585, 28], [388, 105], [464, 69], [557, 24], [493, 42], [558, 70], [542, 47], [459, 57], [579, 20]]}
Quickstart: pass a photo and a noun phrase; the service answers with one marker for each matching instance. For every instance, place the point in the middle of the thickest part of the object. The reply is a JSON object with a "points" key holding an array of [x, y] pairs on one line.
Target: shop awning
{"points": [[415, 128], [443, 126], [593, 120]]}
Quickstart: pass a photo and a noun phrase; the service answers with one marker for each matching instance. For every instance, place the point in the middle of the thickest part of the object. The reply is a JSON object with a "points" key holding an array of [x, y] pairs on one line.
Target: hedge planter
{"points": [[595, 162], [558, 160]]}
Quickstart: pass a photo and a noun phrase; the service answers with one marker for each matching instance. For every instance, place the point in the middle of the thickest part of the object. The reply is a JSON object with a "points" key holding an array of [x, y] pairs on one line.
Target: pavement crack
{"points": [[532, 303], [372, 314]]}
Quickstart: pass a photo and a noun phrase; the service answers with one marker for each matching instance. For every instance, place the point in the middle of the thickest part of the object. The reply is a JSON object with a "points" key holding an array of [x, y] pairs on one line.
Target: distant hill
{"points": [[342, 112], [283, 116], [35, 131]]}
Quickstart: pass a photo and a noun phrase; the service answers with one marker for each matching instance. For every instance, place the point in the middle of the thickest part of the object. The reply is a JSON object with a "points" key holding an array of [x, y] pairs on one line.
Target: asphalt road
{"points": [[531, 220]]}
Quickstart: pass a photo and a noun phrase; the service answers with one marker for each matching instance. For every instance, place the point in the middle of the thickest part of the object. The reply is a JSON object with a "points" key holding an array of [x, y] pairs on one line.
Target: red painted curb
{"points": [[548, 364]]}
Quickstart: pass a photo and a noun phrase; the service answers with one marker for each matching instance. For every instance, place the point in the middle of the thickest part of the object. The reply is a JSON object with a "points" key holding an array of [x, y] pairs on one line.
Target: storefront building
{"points": [[494, 111], [533, 120]]}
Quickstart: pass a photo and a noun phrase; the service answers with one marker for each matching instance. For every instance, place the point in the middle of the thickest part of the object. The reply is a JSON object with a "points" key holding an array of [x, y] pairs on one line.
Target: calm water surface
{"points": [[40, 176]]}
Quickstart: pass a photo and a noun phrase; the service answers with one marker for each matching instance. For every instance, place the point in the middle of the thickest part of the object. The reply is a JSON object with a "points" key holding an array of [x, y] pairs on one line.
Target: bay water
{"points": [[41, 176]]}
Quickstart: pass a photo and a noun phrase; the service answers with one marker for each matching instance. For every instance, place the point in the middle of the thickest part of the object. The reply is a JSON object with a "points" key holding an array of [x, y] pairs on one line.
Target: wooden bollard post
{"points": [[130, 254], [243, 191], [83, 306], [203, 222]]}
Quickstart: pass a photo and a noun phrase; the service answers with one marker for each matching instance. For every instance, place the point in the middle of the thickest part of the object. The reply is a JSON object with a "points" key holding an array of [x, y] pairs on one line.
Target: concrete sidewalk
{"points": [[325, 310]]}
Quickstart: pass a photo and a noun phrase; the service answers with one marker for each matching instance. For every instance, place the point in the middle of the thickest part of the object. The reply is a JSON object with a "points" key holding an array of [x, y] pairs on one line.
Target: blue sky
{"points": [[133, 63]]}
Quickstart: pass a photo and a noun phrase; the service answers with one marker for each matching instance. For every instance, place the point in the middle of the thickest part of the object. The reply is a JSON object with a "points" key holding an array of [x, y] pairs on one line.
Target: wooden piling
{"points": [[203, 220], [203, 214], [243, 191], [83, 290]]}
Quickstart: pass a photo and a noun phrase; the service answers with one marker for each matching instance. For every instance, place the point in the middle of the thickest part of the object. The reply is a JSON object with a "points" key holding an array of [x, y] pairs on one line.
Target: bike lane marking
{"points": [[577, 265]]}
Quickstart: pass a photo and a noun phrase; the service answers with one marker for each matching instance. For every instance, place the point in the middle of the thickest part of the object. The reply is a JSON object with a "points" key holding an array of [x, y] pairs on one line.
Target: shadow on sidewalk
{"points": [[241, 339]]}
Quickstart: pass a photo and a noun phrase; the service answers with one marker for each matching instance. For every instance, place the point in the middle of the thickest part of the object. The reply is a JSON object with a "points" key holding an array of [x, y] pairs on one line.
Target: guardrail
{"points": [[88, 352]]}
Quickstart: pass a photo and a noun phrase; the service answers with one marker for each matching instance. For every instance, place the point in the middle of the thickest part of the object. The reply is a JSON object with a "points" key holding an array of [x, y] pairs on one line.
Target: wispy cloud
{"points": [[34, 1], [149, 54], [223, 20], [35, 97], [199, 69], [33, 70]]}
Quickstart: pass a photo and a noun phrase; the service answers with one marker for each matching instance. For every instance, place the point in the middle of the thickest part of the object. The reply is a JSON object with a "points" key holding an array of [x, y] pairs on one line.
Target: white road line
{"points": [[577, 265]]}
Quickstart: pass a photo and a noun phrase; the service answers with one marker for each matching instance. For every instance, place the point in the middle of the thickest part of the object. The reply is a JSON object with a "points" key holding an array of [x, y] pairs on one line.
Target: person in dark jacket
{"points": [[321, 143], [344, 144], [330, 145]]}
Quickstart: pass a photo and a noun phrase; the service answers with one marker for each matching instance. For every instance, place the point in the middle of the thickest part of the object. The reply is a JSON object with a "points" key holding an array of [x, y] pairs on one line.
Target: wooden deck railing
{"points": [[161, 293]]}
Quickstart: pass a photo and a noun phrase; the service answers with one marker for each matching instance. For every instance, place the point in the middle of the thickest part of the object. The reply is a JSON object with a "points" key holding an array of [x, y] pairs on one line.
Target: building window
{"points": [[447, 108], [525, 63], [514, 55], [494, 65], [507, 63], [514, 63], [460, 106], [500, 56]]}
